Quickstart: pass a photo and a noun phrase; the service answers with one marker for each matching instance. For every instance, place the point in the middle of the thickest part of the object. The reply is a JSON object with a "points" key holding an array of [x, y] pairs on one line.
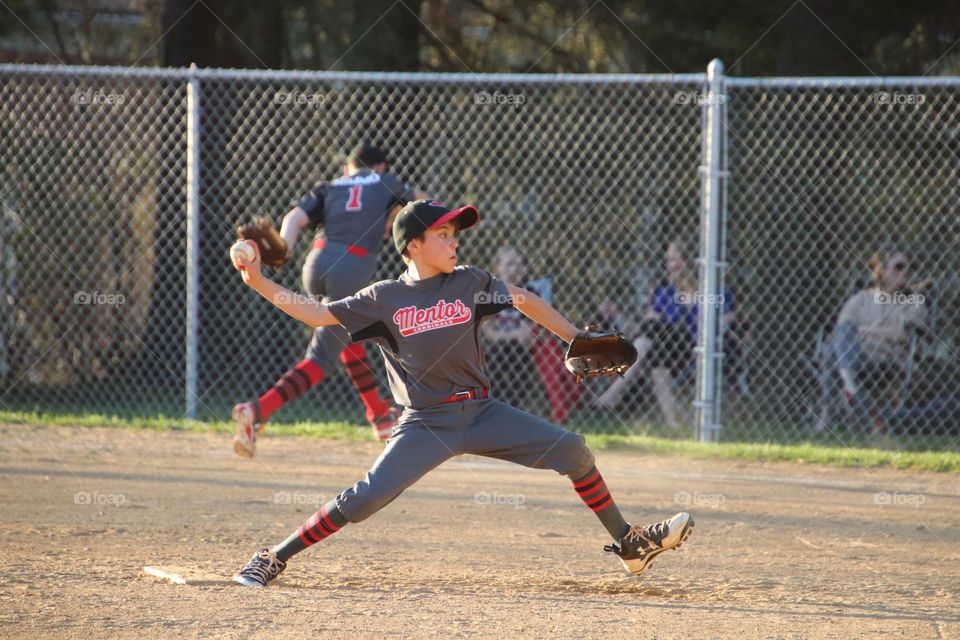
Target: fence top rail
{"points": [[351, 76], [852, 82], [180, 73]]}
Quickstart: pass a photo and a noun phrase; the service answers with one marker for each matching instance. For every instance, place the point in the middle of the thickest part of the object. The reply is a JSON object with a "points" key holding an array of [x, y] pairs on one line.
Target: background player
{"points": [[352, 215], [425, 323]]}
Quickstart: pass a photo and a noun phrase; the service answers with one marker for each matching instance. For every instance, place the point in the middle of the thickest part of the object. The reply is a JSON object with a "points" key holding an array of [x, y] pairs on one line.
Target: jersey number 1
{"points": [[353, 204]]}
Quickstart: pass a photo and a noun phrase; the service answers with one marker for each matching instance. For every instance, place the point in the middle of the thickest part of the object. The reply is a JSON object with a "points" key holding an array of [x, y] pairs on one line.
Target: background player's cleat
{"points": [[245, 436], [640, 545], [262, 568], [383, 426]]}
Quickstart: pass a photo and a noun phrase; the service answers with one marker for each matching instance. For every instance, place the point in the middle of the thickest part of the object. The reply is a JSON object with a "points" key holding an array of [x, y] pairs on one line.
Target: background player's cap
{"points": [[368, 154], [415, 218]]}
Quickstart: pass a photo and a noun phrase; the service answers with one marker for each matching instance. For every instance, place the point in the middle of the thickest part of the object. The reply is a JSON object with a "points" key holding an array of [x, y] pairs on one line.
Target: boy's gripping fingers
{"points": [[241, 253], [250, 270]]}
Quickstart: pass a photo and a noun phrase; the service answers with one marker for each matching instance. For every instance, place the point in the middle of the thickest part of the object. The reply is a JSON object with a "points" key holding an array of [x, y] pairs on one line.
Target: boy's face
{"points": [[439, 248]]}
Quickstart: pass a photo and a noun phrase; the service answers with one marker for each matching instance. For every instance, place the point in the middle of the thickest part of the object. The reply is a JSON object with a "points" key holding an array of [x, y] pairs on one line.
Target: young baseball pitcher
{"points": [[426, 325], [352, 215]]}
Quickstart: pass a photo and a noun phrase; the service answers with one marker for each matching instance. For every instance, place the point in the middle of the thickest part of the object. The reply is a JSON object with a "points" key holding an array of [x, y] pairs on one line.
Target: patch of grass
{"points": [[800, 453], [877, 453], [336, 429]]}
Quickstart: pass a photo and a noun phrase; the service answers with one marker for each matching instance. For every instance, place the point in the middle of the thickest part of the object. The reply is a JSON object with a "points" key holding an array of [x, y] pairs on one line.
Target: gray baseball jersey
{"points": [[427, 330], [353, 210]]}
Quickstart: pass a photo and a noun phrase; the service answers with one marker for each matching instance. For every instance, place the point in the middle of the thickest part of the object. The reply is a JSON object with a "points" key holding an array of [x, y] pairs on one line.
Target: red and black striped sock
{"points": [[292, 384], [322, 524], [593, 491], [354, 359]]}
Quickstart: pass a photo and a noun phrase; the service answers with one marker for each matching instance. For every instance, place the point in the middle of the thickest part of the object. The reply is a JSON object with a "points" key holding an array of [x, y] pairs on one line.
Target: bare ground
{"points": [[478, 548]]}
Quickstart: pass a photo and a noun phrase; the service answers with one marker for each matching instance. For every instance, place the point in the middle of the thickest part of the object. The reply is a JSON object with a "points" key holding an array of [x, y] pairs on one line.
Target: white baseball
{"points": [[241, 254]]}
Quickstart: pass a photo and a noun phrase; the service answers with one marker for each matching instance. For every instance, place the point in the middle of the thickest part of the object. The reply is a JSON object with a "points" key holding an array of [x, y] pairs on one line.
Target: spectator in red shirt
{"points": [[513, 341]]}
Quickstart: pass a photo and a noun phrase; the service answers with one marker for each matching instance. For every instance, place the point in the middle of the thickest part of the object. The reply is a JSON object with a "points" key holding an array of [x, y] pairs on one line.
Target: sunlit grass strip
{"points": [[803, 453]]}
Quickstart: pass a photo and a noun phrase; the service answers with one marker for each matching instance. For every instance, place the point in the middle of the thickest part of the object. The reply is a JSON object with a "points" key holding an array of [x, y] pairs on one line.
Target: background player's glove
{"points": [[273, 248], [595, 353]]}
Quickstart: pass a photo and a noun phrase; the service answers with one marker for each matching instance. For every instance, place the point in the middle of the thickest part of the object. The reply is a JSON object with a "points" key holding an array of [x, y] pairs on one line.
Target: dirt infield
{"points": [[478, 548]]}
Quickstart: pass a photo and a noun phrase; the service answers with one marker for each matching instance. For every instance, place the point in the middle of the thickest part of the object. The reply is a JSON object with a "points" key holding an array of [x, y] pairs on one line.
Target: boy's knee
{"points": [[362, 500], [578, 457], [355, 508]]}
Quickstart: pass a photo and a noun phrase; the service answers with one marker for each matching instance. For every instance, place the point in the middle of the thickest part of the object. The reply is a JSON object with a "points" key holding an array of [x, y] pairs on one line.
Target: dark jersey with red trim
{"points": [[427, 330], [353, 210]]}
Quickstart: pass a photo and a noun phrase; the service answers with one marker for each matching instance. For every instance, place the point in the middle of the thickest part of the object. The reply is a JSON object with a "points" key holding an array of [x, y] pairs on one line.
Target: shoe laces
{"points": [[652, 534], [263, 567], [649, 538]]}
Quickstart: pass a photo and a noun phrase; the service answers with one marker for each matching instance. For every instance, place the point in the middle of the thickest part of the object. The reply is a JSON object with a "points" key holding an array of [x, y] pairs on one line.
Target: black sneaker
{"points": [[262, 568], [640, 545]]}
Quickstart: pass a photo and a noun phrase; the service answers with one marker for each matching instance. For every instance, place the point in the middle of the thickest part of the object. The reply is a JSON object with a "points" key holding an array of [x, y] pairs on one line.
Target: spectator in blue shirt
{"points": [[666, 336]]}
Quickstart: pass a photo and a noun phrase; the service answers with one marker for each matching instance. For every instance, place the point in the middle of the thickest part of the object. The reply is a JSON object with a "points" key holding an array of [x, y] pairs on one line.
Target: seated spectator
{"points": [[871, 340], [667, 335], [514, 345]]}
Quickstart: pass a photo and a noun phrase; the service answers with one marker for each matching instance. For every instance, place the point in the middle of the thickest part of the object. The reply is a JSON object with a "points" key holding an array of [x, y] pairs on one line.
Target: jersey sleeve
{"points": [[402, 193], [492, 294], [313, 203], [361, 313]]}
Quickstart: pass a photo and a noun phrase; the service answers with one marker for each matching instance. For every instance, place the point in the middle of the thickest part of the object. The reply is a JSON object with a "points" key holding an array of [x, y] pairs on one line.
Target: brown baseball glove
{"points": [[595, 353], [273, 248]]}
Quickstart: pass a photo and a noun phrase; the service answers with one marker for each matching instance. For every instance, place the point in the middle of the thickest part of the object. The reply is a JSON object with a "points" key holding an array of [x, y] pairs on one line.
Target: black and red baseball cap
{"points": [[416, 217], [368, 155]]}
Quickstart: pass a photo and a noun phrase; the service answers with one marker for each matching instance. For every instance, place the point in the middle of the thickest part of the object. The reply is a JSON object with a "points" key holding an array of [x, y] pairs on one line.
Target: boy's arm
{"points": [[302, 308], [538, 310], [293, 223]]}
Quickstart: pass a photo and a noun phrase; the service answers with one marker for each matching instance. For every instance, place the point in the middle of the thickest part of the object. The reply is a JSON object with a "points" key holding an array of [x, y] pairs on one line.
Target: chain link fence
{"points": [[590, 191], [92, 181], [843, 230]]}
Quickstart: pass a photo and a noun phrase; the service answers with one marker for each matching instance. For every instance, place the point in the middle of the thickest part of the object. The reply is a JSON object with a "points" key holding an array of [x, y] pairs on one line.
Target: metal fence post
{"points": [[713, 176], [193, 238]]}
